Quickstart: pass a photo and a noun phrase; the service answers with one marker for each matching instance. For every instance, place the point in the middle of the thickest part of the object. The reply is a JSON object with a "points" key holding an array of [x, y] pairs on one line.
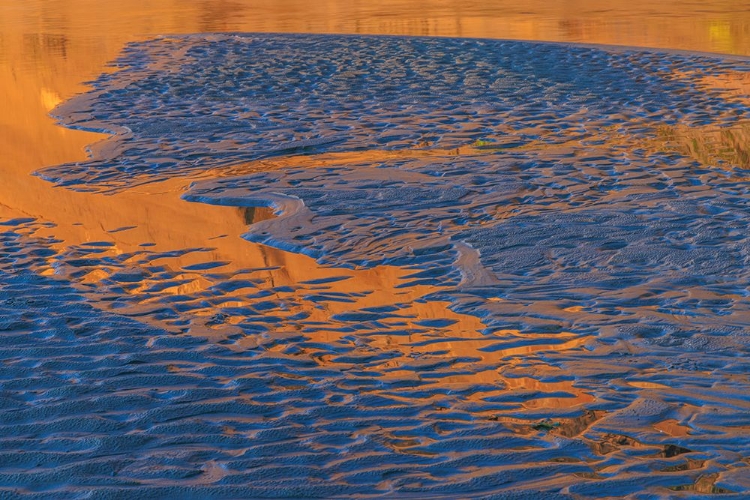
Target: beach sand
{"points": [[410, 297]]}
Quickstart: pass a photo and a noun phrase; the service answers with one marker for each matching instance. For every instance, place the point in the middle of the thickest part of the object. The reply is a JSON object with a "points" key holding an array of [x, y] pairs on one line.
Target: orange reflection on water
{"points": [[48, 50], [710, 144], [454, 354]]}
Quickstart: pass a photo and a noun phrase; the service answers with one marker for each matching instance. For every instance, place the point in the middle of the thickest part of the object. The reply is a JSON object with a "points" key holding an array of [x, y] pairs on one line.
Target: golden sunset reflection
{"points": [[711, 145], [47, 54]]}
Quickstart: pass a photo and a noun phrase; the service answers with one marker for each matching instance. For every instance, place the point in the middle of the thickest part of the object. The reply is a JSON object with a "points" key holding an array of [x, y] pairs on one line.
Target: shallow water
{"points": [[497, 268]]}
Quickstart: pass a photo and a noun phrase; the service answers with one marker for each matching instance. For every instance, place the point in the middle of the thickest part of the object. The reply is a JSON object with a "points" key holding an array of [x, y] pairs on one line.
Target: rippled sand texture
{"points": [[538, 277]]}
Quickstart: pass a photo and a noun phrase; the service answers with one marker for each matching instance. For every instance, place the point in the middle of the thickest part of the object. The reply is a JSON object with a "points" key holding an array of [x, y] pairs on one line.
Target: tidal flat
{"points": [[314, 265]]}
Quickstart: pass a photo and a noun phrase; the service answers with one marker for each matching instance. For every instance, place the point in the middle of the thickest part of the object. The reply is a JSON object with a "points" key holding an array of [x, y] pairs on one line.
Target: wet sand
{"points": [[326, 305]]}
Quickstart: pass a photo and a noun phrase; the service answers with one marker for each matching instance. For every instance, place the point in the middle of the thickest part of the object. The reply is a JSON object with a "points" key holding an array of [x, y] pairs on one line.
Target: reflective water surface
{"points": [[157, 343], [48, 50]]}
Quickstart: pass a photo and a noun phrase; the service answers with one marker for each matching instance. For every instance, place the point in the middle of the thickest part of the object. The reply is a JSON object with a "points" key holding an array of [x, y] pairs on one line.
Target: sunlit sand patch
{"points": [[673, 428], [567, 341], [573, 309], [92, 277], [647, 385]]}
